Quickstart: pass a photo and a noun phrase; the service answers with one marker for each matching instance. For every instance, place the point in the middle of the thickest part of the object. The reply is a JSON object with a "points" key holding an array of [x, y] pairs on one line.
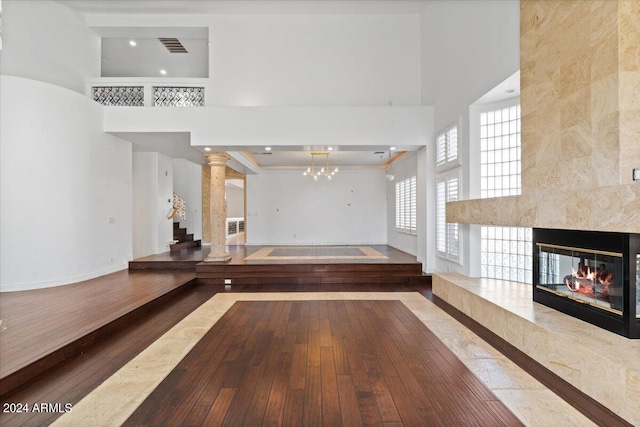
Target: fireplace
{"points": [[594, 276]]}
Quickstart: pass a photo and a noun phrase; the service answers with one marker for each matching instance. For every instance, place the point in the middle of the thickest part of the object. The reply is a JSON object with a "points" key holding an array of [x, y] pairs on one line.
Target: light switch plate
{"points": [[636, 174]]}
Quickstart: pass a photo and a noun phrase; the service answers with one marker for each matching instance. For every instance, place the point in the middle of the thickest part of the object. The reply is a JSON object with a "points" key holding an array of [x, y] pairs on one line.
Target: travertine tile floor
{"points": [[601, 364], [115, 400]]}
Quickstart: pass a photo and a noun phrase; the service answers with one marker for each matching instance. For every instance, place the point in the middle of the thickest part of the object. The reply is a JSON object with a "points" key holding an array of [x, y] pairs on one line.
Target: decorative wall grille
{"points": [[120, 96], [166, 96]]}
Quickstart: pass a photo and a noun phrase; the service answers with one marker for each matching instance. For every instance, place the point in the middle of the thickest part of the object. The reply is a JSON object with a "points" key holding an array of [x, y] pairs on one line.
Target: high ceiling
{"points": [[189, 7], [251, 158]]}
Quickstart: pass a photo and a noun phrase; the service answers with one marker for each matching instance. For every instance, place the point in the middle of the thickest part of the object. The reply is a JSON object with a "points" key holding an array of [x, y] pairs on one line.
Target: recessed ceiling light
{"points": [[330, 148], [392, 148], [132, 43], [207, 149], [267, 148], [163, 72]]}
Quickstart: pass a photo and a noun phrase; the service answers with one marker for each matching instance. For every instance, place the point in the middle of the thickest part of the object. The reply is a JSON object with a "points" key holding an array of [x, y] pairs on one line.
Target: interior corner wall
{"points": [[287, 208], [468, 47], [152, 203], [403, 168], [187, 183], [235, 202], [45, 40], [65, 188]]}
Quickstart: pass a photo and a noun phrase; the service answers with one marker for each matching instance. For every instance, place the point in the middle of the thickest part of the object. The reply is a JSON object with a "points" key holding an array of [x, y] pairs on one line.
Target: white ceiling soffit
{"points": [[172, 144], [222, 7], [252, 160], [509, 88], [152, 32]]}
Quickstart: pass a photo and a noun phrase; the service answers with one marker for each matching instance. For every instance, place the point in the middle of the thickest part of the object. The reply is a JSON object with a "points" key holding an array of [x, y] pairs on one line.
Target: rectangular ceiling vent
{"points": [[378, 152], [172, 44], [263, 154]]}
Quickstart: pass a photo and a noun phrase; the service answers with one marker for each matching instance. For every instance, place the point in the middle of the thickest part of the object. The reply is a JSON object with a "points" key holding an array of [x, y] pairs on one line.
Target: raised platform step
{"points": [[82, 324], [185, 245], [311, 273], [599, 363]]}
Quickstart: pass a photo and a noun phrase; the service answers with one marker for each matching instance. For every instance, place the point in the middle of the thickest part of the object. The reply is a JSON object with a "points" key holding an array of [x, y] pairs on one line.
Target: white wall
{"points": [[235, 201], [145, 173], [468, 47], [288, 208], [65, 188], [261, 60], [164, 201], [44, 40], [152, 203], [405, 167], [187, 182]]}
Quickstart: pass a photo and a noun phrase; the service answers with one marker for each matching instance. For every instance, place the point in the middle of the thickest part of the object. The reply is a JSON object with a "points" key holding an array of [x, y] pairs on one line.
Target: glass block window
{"points": [[506, 253], [447, 148], [119, 96], [447, 237], [406, 205], [165, 96], [500, 162]]}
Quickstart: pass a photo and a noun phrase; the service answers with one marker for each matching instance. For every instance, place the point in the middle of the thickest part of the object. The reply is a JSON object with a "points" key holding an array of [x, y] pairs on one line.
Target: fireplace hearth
{"points": [[594, 276]]}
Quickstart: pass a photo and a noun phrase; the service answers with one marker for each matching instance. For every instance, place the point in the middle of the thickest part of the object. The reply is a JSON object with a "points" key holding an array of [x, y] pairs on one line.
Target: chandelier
{"points": [[320, 170]]}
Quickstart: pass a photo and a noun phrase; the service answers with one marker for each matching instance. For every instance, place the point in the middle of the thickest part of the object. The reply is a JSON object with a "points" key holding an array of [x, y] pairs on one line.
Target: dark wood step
{"points": [[316, 280], [176, 225], [310, 273], [183, 237], [185, 245], [178, 231], [162, 265], [310, 268]]}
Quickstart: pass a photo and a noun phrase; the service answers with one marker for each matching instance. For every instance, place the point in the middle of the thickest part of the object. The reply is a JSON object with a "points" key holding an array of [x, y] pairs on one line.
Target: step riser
{"points": [[183, 237], [184, 245], [372, 269], [315, 280]]}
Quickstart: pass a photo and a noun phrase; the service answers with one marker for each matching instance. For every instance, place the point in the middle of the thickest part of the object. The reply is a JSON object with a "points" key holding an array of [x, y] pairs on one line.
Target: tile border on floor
{"points": [[111, 403]]}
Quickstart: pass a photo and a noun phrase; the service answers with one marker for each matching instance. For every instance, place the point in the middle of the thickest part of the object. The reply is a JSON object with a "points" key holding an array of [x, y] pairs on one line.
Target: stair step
{"points": [[176, 225], [183, 237], [185, 245], [310, 280], [177, 231]]}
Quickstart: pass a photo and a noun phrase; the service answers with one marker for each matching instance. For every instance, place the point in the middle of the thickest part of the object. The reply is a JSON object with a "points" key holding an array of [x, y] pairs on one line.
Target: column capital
{"points": [[217, 159]]}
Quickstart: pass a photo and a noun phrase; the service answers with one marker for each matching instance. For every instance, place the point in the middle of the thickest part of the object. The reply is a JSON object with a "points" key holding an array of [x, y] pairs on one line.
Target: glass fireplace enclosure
{"points": [[594, 276]]}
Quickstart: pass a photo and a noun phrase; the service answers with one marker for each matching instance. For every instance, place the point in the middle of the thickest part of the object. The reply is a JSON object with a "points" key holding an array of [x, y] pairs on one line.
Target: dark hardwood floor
{"points": [[41, 324], [324, 363], [150, 303]]}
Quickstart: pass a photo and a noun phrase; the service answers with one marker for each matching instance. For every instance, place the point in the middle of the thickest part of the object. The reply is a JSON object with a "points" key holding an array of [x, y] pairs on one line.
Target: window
{"points": [[447, 148], [406, 205], [506, 253], [447, 237], [500, 163]]}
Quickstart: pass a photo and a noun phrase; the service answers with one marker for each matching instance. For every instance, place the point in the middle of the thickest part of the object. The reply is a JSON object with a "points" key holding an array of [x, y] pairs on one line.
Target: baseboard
{"points": [[61, 282]]}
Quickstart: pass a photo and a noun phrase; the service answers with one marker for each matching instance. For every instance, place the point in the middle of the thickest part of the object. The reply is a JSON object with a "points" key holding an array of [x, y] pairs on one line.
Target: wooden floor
{"points": [[37, 320], [321, 363], [41, 324]]}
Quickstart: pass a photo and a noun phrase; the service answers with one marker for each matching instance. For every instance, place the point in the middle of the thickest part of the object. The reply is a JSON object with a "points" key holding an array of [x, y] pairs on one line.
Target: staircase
{"points": [[184, 240]]}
